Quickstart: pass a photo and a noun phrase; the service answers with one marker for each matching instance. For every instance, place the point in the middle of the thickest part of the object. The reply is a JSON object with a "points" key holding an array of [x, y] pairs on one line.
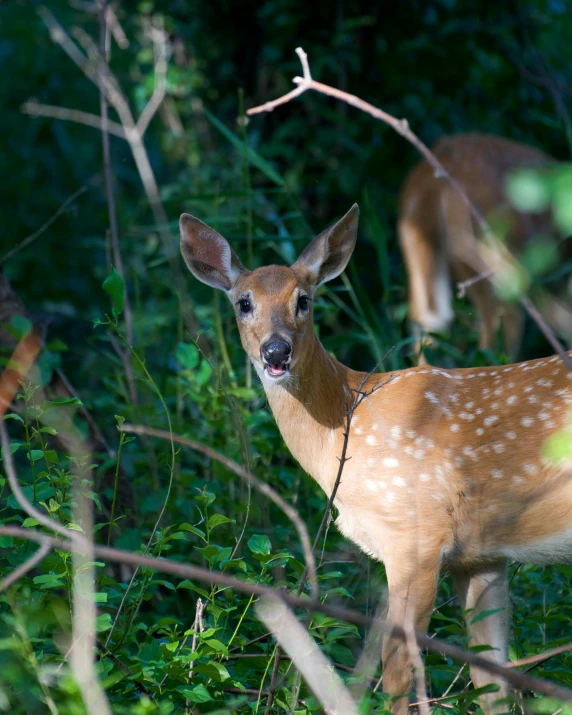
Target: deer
{"points": [[448, 469], [440, 240]]}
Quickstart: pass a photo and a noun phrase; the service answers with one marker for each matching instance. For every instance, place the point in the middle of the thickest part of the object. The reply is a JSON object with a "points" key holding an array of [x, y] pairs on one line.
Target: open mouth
{"points": [[276, 370]]}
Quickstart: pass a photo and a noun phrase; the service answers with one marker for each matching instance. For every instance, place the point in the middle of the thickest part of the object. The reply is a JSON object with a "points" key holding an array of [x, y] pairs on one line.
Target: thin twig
{"points": [[540, 657], [28, 565], [44, 227]]}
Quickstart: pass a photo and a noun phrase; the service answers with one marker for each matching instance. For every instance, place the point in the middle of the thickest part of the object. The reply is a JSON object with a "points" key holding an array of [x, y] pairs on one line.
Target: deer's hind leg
{"points": [[480, 591]]}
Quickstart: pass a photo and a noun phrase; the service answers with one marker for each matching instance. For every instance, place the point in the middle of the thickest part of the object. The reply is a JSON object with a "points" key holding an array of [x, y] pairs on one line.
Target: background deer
{"points": [[440, 241], [447, 467]]}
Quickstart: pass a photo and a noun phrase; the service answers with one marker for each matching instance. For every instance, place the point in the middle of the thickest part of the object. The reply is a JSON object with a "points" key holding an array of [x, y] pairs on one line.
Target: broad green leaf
{"points": [[187, 356], [217, 519], [259, 544], [103, 622], [198, 694]]}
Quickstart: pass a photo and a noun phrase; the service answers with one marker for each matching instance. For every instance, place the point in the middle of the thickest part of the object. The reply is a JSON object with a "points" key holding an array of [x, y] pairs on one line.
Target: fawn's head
{"points": [[273, 304]]}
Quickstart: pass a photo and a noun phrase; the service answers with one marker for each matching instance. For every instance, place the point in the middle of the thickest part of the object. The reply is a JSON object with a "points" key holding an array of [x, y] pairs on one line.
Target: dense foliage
{"points": [[268, 184]]}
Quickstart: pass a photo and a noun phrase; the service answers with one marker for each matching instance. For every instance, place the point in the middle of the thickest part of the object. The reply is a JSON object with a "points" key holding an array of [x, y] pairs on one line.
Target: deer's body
{"points": [[440, 240], [447, 467]]}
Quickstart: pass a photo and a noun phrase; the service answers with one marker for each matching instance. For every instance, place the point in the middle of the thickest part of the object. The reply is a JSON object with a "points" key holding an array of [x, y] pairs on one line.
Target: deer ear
{"points": [[328, 254], [208, 255]]}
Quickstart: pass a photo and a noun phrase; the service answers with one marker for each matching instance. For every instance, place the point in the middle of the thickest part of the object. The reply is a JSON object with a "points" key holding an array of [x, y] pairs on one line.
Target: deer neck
{"points": [[310, 410]]}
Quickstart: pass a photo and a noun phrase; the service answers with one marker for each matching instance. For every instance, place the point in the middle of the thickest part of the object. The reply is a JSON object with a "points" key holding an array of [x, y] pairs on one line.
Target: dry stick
{"points": [[262, 487], [401, 126], [540, 657], [33, 236], [37, 109], [28, 565], [309, 660], [520, 680]]}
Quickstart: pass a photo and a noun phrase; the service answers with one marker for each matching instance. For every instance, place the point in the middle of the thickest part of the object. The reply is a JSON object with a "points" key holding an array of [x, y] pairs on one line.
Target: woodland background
{"points": [[268, 184]]}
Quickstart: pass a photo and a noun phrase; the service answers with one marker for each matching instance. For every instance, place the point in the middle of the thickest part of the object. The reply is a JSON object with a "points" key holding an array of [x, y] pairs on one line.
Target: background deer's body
{"points": [[439, 238], [446, 467]]}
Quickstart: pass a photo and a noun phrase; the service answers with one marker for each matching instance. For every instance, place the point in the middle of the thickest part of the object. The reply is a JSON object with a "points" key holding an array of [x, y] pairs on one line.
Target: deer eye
{"points": [[244, 305], [303, 302]]}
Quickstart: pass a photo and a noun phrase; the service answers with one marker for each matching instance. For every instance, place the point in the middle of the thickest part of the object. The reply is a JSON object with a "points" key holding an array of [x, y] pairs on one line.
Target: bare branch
{"points": [[160, 47], [28, 565], [36, 109]]}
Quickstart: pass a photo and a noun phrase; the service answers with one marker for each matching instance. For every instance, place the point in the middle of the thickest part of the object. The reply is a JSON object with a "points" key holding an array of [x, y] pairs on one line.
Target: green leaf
{"points": [[259, 544], [217, 519], [30, 522], [528, 191], [485, 614], [13, 416], [6, 542], [21, 325], [193, 530], [198, 694], [187, 356], [63, 402], [103, 622], [213, 670], [35, 454], [114, 286]]}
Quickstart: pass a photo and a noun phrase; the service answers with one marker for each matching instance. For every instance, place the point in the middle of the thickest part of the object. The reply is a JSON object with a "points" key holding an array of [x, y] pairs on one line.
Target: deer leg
{"points": [[487, 590], [412, 593]]}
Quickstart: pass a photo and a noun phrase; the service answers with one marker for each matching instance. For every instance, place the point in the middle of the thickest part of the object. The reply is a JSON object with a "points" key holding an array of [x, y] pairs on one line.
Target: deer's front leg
{"points": [[487, 590], [412, 589]]}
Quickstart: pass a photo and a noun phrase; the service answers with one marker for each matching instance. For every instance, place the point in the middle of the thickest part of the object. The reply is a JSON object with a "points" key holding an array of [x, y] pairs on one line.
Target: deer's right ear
{"points": [[208, 255]]}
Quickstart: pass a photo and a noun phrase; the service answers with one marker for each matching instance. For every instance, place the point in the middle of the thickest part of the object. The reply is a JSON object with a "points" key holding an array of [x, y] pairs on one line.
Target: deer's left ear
{"points": [[328, 254], [208, 255]]}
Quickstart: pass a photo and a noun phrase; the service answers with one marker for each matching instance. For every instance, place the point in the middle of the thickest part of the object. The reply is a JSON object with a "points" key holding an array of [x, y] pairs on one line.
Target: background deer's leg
{"points": [[412, 590], [430, 294], [483, 591]]}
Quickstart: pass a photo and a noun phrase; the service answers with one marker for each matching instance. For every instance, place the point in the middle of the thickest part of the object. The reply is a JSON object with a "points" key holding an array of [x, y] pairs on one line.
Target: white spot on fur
{"points": [[390, 462], [454, 428], [511, 400], [424, 477], [491, 419], [498, 447], [370, 439], [496, 474], [396, 432], [480, 431], [372, 486], [526, 421], [510, 435], [398, 481]]}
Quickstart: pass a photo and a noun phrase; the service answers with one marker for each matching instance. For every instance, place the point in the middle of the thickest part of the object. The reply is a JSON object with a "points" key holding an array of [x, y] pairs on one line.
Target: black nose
{"points": [[276, 351]]}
